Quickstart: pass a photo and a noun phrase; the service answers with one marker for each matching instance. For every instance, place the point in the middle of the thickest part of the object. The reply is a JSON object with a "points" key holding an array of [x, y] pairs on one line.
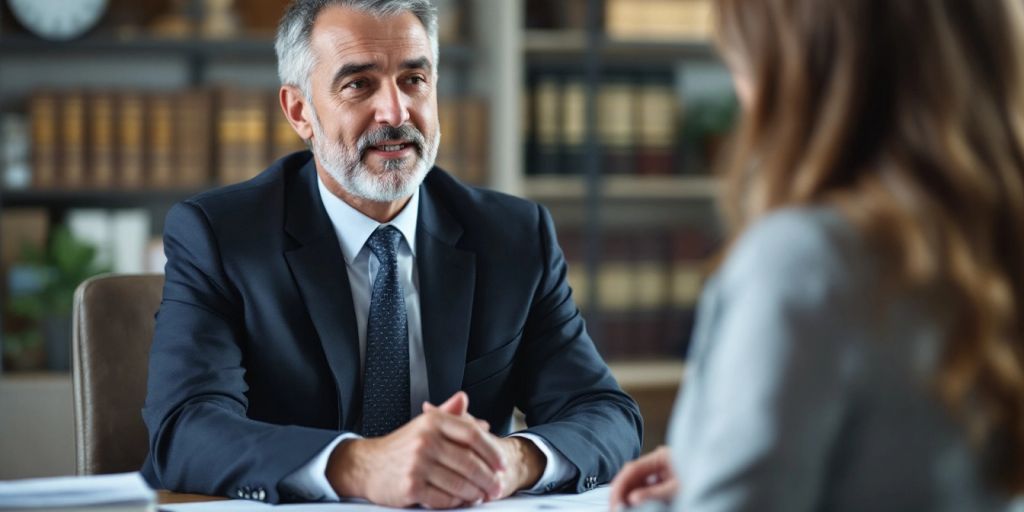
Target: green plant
{"points": [[57, 272], [706, 122]]}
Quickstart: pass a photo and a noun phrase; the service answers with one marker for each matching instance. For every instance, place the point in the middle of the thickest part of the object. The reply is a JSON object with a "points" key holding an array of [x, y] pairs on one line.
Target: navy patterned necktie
{"points": [[386, 368]]}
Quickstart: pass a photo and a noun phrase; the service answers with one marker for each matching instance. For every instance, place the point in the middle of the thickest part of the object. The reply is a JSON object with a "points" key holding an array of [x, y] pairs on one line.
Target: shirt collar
{"points": [[354, 228]]}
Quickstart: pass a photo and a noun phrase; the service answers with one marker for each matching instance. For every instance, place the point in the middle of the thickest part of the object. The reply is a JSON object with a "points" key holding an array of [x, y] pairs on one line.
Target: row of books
{"points": [[633, 20], [193, 138], [638, 335], [638, 126], [648, 284], [664, 20]]}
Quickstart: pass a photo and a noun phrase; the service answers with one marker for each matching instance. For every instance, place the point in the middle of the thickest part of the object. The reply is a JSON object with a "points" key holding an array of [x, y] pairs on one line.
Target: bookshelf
{"points": [[625, 106]]}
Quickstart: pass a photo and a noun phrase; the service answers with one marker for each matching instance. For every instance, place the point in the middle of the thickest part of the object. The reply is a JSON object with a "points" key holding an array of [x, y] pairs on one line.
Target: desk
{"points": [[165, 497], [596, 500]]}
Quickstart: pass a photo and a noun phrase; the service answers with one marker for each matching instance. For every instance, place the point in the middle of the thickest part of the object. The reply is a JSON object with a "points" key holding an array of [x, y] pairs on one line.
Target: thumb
{"points": [[457, 405]]}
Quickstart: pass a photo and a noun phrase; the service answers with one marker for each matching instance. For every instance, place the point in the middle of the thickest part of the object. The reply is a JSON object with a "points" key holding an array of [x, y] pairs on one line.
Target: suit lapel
{"points": [[447, 277], [319, 271]]}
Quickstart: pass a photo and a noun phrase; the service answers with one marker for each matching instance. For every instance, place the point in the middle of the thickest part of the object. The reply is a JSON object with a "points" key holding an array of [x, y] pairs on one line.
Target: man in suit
{"points": [[312, 315]]}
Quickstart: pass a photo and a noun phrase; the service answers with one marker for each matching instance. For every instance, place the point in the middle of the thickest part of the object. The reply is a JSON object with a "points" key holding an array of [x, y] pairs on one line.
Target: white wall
{"points": [[37, 435]]}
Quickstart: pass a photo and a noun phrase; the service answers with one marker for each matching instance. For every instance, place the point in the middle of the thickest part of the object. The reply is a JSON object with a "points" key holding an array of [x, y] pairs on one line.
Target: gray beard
{"points": [[399, 180]]}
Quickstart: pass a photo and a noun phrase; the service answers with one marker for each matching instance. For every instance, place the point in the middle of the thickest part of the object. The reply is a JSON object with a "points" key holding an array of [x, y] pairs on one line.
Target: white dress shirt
{"points": [[353, 229]]}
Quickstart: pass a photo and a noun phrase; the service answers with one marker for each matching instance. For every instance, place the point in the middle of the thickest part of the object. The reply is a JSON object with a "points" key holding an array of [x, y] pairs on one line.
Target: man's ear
{"points": [[295, 108]]}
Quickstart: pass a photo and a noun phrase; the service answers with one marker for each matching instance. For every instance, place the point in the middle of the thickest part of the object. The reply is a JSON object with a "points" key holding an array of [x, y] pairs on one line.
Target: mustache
{"points": [[385, 133]]}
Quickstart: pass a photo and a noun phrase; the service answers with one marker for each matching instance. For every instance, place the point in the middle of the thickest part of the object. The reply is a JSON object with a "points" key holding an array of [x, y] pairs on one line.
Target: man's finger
{"points": [[483, 424], [469, 435], [432, 497], [457, 404], [455, 484], [469, 466]]}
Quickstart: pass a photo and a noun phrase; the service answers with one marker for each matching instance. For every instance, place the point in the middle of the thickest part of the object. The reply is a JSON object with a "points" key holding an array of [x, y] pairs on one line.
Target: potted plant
{"points": [[42, 292]]}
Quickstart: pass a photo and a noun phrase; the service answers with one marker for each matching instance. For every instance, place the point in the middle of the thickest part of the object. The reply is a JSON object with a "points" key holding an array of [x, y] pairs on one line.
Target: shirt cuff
{"points": [[310, 481], [557, 469]]}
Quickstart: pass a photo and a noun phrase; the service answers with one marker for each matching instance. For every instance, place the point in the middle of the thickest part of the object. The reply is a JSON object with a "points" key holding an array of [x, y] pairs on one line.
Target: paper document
{"points": [[596, 500], [119, 490]]}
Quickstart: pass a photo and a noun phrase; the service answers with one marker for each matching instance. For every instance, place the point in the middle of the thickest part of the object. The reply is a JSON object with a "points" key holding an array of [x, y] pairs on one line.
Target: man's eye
{"points": [[417, 80], [356, 84]]}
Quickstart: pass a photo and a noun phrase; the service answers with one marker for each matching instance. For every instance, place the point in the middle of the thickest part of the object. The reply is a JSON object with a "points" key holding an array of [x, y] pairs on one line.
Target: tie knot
{"points": [[384, 242]]}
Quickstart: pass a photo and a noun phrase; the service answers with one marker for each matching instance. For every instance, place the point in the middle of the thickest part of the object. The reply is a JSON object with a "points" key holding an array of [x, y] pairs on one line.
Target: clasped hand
{"points": [[444, 458]]}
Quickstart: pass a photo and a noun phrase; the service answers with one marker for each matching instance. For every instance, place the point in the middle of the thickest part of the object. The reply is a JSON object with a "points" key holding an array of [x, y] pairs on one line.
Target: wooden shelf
{"points": [[617, 187], [20, 45], [251, 47], [649, 374], [106, 198], [563, 46]]}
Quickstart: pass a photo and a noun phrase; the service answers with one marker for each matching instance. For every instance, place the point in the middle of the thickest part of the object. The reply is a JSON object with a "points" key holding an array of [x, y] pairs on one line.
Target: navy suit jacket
{"points": [[255, 363]]}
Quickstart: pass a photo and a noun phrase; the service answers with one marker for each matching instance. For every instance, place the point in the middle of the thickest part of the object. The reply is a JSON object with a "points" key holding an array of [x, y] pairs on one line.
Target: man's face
{"points": [[375, 127]]}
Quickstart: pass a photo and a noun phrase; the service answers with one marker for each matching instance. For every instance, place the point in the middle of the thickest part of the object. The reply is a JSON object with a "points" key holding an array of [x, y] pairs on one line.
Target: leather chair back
{"points": [[113, 330]]}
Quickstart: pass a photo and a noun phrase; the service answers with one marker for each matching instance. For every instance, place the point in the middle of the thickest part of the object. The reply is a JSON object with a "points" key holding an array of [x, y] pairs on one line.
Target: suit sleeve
{"points": [[200, 439], [568, 394]]}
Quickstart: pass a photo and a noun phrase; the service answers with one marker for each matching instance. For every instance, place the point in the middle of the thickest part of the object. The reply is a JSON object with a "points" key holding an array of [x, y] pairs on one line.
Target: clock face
{"points": [[58, 19]]}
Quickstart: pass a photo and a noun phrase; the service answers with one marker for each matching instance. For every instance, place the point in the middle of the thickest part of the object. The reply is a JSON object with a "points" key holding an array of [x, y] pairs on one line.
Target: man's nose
{"points": [[391, 106]]}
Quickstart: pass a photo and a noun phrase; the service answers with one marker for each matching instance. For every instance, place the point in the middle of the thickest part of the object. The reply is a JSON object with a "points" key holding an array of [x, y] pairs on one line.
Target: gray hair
{"points": [[295, 59]]}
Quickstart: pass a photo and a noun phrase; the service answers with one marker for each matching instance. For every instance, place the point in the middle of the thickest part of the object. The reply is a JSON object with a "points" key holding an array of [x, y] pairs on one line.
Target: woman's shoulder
{"points": [[798, 247]]}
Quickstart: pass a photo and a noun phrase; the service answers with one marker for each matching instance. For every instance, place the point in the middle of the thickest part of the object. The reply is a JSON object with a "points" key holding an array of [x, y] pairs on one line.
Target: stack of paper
{"points": [[125, 492], [591, 501]]}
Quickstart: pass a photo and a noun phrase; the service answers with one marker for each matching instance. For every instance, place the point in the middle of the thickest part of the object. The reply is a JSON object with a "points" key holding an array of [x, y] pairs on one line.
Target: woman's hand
{"points": [[648, 478]]}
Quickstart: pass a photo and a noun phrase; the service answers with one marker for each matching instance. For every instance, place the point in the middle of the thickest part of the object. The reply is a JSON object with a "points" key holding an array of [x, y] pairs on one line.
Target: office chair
{"points": [[113, 329]]}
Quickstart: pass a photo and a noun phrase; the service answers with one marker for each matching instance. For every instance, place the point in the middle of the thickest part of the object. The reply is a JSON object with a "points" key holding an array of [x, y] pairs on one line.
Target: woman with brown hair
{"points": [[861, 345]]}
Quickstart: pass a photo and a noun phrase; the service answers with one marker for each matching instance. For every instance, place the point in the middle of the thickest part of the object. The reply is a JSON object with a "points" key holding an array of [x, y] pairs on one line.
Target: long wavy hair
{"points": [[908, 117]]}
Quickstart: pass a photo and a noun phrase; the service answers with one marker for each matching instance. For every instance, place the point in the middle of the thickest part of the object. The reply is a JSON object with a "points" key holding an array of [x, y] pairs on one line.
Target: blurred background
{"points": [[608, 112]]}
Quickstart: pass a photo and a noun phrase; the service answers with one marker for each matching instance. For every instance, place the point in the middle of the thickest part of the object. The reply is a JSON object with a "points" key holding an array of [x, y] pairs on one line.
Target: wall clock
{"points": [[58, 20]]}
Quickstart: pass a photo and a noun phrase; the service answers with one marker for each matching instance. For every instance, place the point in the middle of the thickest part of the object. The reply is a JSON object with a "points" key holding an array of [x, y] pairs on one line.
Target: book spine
{"points": [[161, 164], [548, 97], [193, 141], [256, 143], [73, 124], [574, 122], [131, 140], [103, 160], [616, 126], [229, 121], [43, 117], [474, 150], [657, 129]]}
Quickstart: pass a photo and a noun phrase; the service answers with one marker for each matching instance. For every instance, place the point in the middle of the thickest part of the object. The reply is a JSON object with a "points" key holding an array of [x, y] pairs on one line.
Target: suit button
{"points": [[261, 494]]}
